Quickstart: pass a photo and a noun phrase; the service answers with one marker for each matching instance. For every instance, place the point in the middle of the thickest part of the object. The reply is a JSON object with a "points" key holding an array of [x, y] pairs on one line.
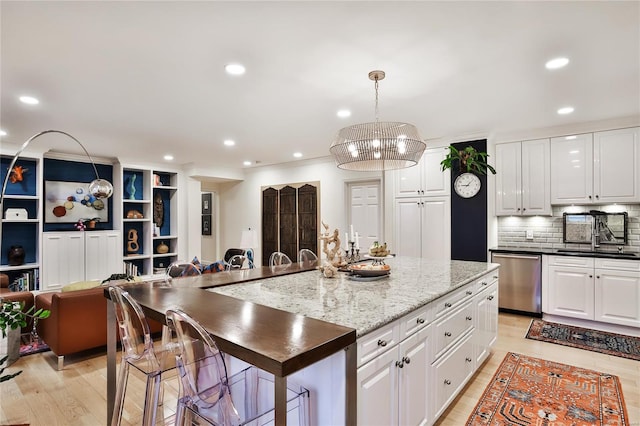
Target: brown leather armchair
{"points": [[78, 321]]}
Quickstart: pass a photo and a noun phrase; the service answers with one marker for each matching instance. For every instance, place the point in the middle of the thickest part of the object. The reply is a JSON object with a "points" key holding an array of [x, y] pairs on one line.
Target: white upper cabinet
{"points": [[523, 178], [425, 178], [616, 171], [596, 168]]}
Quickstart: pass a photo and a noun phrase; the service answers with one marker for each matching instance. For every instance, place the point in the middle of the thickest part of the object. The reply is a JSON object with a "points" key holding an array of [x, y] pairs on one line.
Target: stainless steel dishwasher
{"points": [[520, 288]]}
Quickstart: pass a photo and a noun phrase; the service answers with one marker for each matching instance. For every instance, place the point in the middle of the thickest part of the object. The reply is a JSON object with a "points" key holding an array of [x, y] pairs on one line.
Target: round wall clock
{"points": [[467, 185]]}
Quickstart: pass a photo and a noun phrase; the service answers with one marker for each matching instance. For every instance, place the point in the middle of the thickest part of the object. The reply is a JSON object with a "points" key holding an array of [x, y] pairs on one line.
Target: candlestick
{"points": [[357, 241], [352, 239], [346, 241]]}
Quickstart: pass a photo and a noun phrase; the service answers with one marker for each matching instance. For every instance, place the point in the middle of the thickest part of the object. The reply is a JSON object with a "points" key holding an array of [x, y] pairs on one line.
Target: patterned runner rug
{"points": [[29, 346], [532, 391], [584, 338]]}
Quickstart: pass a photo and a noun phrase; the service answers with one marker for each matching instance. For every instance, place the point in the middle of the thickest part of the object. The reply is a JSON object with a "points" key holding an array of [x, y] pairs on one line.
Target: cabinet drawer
{"points": [[415, 321], [377, 342], [449, 329], [450, 302], [620, 264], [451, 373], [586, 262]]}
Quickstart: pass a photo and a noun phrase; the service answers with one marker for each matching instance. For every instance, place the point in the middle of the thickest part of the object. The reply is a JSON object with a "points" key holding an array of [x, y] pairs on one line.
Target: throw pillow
{"points": [[80, 285]]}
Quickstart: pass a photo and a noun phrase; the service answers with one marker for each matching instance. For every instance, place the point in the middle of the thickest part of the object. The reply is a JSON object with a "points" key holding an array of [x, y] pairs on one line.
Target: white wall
{"points": [[240, 202]]}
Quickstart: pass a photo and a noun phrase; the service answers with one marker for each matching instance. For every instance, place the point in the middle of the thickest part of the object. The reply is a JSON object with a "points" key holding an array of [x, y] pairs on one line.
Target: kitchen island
{"points": [[322, 316]]}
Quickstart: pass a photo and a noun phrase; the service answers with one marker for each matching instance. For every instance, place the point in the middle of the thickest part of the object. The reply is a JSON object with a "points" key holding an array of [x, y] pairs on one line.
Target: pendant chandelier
{"points": [[379, 145]]}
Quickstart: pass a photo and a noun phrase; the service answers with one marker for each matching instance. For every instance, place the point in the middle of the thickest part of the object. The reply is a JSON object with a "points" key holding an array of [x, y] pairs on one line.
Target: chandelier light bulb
{"points": [[351, 147], [354, 153], [375, 143], [376, 155]]}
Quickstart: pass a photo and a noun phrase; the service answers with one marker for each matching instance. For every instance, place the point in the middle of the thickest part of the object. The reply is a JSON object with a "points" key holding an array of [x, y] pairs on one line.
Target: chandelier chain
{"points": [[376, 85]]}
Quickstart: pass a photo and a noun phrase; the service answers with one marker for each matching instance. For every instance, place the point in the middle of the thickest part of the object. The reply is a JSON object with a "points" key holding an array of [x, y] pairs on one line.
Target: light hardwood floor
{"points": [[76, 396]]}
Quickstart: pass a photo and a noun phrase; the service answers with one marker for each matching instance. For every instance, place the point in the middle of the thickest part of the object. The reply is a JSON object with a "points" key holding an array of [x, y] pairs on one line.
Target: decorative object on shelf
{"points": [[17, 174], [132, 241], [333, 254], [156, 180], [132, 187], [134, 214], [16, 255], [158, 210], [378, 145], [156, 230], [469, 160], [91, 223], [16, 214], [162, 248], [98, 188], [80, 226]]}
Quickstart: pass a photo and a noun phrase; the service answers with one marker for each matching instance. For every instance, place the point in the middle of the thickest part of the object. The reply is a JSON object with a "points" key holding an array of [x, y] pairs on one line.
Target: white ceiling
{"points": [[137, 80]]}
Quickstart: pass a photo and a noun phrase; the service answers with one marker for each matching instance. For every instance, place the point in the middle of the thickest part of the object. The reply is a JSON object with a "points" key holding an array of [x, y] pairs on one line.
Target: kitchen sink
{"points": [[596, 253]]}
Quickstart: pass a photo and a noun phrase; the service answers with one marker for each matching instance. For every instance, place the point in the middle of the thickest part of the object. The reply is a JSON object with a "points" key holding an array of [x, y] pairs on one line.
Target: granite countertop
{"points": [[568, 251], [362, 305]]}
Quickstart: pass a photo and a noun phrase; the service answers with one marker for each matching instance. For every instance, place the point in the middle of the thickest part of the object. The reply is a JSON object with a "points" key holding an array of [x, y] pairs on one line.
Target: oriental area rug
{"points": [[532, 391], [584, 338], [29, 346]]}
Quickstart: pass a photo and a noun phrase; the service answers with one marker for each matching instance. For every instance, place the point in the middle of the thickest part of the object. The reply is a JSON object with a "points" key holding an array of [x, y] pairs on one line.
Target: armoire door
{"points": [[288, 222], [269, 223], [308, 218]]}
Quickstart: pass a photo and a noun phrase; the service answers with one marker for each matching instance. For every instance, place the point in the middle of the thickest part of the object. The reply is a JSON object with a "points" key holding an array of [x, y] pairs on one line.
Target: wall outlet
{"points": [[529, 234]]}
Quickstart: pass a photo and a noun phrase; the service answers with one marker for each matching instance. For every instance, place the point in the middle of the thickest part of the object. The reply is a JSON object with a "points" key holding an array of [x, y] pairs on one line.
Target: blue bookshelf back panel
{"points": [[28, 185], [20, 234]]}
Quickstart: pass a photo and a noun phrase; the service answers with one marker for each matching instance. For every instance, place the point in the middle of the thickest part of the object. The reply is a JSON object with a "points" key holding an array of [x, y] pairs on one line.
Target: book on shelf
{"points": [[131, 269], [26, 281]]}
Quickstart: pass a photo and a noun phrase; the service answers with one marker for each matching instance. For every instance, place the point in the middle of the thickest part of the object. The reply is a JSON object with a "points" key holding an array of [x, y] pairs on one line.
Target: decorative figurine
{"points": [[17, 174], [132, 243], [158, 210], [333, 254], [132, 187]]}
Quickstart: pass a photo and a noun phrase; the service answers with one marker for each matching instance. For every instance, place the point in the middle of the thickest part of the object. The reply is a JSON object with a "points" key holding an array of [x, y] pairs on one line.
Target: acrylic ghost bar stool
{"points": [[278, 258], [208, 395], [138, 351], [182, 269], [306, 256]]}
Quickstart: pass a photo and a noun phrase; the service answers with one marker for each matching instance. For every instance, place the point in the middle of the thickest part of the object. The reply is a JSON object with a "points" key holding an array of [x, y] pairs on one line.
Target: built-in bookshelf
{"points": [[21, 222], [149, 219]]}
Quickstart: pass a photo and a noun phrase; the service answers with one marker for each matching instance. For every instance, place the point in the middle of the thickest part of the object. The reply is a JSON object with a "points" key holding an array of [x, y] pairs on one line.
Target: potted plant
{"points": [[469, 159], [12, 318]]}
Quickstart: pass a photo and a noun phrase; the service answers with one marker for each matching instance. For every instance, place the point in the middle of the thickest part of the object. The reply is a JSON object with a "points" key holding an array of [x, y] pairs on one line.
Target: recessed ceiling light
{"points": [[297, 154], [229, 142], [565, 110], [3, 133], [247, 163], [168, 157], [30, 100], [556, 63], [235, 69], [344, 113]]}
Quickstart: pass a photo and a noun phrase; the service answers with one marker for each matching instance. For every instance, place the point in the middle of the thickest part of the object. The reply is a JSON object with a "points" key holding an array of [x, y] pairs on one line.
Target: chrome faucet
{"points": [[595, 235]]}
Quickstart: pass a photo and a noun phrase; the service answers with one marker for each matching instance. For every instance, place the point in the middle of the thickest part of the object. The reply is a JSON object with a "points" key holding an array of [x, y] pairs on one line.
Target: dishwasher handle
{"points": [[517, 256]]}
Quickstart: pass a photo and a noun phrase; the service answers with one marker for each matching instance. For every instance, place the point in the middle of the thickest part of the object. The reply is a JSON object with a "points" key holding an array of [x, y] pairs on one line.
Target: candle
{"points": [[352, 239], [346, 241], [357, 241]]}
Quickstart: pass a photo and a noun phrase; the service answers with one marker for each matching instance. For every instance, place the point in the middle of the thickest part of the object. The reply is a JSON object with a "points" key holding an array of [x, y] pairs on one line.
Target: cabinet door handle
{"points": [[518, 209], [598, 276], [418, 203], [524, 209], [382, 343], [490, 297], [469, 318], [590, 276], [447, 381], [495, 277], [406, 359], [447, 333], [597, 196], [399, 364], [447, 305], [589, 196], [484, 282], [468, 359], [420, 320]]}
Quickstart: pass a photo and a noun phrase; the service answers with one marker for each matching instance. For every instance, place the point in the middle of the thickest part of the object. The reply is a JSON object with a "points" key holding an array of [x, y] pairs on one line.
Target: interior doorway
{"points": [[365, 208]]}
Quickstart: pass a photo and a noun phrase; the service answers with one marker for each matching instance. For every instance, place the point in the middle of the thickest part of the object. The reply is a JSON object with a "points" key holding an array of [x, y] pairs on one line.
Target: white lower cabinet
{"points": [[604, 290], [79, 256], [409, 371]]}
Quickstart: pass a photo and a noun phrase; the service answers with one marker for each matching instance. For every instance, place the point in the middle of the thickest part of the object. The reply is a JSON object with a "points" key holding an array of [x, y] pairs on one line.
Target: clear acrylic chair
{"points": [[138, 351], [182, 269], [208, 395], [278, 258], [235, 262], [306, 255]]}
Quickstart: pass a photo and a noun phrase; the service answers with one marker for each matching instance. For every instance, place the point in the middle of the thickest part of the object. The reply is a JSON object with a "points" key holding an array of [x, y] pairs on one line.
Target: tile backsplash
{"points": [[547, 230]]}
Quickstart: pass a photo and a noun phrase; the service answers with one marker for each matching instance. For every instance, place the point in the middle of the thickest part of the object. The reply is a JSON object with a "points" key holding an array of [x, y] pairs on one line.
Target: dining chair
{"points": [[278, 258], [235, 262], [138, 351], [306, 255], [182, 269], [208, 394]]}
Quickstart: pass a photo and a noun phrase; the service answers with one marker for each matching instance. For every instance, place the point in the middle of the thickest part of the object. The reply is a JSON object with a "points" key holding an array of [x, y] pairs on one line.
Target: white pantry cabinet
{"points": [[523, 180], [79, 256], [597, 168], [423, 227], [425, 178]]}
